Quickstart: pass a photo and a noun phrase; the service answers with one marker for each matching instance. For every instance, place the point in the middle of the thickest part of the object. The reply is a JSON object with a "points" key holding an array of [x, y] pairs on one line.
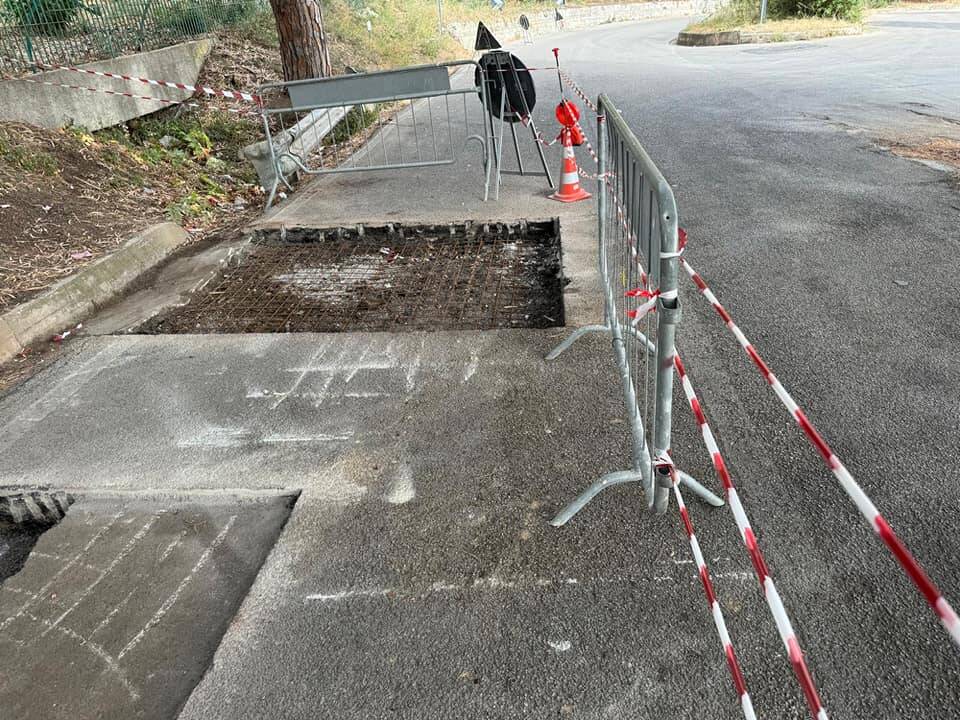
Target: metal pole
{"points": [[763, 11], [669, 312]]}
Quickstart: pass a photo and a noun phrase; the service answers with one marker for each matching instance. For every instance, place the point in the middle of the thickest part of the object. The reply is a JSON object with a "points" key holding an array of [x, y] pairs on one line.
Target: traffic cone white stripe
{"points": [[570, 190]]}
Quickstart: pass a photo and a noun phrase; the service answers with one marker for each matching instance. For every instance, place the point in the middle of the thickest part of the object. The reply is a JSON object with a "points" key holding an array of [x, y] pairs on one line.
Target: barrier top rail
{"points": [[409, 83]]}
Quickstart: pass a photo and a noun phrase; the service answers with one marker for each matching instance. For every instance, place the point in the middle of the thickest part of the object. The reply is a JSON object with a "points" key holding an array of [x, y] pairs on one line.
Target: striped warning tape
{"points": [[50, 83], [780, 617], [148, 98], [732, 663], [576, 88], [232, 94], [948, 617]]}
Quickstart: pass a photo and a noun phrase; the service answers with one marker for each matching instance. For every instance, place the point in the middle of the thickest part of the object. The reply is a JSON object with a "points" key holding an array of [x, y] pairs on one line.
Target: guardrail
{"points": [[637, 229], [428, 131]]}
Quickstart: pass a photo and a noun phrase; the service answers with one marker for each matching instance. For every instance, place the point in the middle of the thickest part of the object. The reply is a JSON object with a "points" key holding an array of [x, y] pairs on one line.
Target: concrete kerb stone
{"points": [[71, 300], [738, 37]]}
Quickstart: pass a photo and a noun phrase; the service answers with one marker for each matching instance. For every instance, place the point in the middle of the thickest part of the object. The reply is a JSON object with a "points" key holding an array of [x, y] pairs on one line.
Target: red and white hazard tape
{"points": [[147, 98], [732, 663], [232, 94], [50, 83], [948, 617], [780, 617], [576, 88]]}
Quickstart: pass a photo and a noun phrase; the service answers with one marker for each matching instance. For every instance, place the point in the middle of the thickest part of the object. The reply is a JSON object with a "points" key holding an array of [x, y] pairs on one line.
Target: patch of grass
{"points": [[818, 17], [197, 154], [355, 121], [25, 156], [779, 29], [732, 16]]}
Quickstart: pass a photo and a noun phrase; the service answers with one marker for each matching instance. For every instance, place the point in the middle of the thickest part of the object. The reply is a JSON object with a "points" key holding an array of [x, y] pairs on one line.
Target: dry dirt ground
{"points": [[942, 150], [68, 197]]}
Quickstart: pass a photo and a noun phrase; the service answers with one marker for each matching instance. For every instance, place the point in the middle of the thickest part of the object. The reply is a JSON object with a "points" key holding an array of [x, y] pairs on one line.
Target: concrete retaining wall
{"points": [[54, 107], [542, 23]]}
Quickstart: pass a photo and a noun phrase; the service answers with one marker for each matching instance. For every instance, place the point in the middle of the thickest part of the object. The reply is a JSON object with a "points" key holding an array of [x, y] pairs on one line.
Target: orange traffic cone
{"points": [[570, 190]]}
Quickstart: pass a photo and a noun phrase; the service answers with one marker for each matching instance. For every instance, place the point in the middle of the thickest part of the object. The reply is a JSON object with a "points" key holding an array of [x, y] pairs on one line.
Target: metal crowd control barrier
{"points": [[637, 230], [301, 137]]}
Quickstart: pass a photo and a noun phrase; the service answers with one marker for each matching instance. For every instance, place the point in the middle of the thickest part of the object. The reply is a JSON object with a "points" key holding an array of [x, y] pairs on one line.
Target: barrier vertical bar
{"points": [[669, 311]]}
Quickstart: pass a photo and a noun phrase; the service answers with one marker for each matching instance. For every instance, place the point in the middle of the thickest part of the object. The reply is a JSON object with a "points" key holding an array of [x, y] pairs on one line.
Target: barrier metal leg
{"points": [[516, 146], [580, 332], [699, 490], [573, 337], [608, 480]]}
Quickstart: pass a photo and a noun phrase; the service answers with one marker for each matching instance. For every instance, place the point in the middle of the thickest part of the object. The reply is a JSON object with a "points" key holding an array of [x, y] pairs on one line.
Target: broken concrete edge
{"points": [[389, 224], [71, 300], [292, 141], [35, 508], [738, 37]]}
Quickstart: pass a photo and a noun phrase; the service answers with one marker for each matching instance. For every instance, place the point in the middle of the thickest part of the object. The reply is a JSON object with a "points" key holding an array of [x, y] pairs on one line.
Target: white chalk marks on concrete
{"points": [[175, 595], [494, 583], [42, 592], [401, 489], [127, 549]]}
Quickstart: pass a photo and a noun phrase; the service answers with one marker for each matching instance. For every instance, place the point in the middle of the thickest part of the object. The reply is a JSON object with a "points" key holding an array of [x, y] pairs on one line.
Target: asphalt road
{"points": [[417, 577]]}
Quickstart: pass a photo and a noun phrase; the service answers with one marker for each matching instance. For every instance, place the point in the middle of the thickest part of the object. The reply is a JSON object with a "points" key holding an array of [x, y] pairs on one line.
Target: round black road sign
{"points": [[506, 73]]}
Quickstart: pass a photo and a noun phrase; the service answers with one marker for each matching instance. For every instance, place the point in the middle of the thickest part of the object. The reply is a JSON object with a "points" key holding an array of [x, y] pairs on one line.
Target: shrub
{"points": [[183, 18], [840, 9], [47, 17]]}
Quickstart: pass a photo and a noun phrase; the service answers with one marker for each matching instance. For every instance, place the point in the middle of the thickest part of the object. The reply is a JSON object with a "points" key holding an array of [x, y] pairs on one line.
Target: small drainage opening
{"points": [[467, 276]]}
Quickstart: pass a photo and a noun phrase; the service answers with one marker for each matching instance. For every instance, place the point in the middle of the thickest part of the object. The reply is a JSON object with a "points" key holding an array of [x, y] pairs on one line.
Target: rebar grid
{"points": [[449, 277]]}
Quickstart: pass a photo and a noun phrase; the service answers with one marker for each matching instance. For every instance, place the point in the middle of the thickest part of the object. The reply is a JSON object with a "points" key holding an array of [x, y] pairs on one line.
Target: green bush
{"points": [[47, 17], [840, 9], [183, 18]]}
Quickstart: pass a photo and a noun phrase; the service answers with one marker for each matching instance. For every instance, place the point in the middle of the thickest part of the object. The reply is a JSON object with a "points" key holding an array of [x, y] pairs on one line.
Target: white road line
{"points": [[172, 599]]}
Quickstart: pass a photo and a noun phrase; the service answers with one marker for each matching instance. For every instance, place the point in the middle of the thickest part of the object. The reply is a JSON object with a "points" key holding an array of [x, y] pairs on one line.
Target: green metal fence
{"points": [[78, 31]]}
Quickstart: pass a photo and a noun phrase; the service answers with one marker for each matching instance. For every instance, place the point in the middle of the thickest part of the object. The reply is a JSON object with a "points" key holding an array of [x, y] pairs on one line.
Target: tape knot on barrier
{"points": [[663, 460]]}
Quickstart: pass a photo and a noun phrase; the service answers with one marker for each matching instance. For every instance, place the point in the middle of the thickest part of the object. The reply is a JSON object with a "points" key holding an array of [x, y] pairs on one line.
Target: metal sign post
{"points": [[512, 97]]}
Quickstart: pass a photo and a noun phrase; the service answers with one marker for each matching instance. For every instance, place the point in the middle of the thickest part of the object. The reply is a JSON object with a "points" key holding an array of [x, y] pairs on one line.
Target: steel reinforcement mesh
{"points": [[470, 276]]}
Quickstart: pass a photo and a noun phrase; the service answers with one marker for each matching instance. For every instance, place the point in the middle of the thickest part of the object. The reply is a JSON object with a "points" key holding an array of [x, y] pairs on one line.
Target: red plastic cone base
{"points": [[568, 195]]}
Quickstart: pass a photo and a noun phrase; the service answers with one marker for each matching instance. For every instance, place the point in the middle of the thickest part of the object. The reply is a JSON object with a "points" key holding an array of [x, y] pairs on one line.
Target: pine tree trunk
{"points": [[303, 44]]}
